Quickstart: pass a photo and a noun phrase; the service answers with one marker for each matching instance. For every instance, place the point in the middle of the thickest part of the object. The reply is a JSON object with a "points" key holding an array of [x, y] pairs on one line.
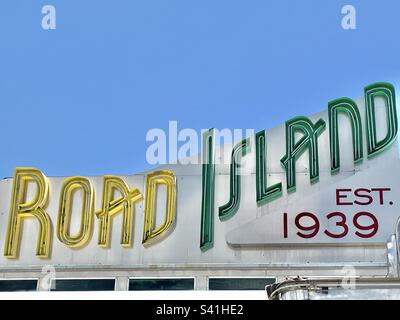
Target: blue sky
{"points": [[80, 99]]}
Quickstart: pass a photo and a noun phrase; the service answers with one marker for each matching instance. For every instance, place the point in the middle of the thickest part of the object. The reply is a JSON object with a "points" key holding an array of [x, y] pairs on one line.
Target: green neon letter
{"points": [[295, 149], [208, 188], [229, 209], [387, 92], [264, 193], [348, 107]]}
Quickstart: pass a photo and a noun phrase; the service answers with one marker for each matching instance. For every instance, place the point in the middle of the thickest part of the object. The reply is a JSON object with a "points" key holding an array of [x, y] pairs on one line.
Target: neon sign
{"points": [[307, 143], [301, 135]]}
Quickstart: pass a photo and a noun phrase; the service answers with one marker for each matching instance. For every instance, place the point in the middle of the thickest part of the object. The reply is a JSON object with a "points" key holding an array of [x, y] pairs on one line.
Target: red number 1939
{"points": [[308, 225]]}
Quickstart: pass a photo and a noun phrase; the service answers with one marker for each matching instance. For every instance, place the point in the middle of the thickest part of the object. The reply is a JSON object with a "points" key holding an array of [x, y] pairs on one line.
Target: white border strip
{"points": [[136, 295]]}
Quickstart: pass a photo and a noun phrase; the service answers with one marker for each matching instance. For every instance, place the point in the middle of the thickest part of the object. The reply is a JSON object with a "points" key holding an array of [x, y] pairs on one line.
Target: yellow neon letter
{"points": [[68, 190], [150, 231], [112, 206], [20, 208]]}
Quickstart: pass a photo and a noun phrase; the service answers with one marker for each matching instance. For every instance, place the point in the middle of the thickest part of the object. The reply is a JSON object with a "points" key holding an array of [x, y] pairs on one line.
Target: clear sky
{"points": [[80, 99]]}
